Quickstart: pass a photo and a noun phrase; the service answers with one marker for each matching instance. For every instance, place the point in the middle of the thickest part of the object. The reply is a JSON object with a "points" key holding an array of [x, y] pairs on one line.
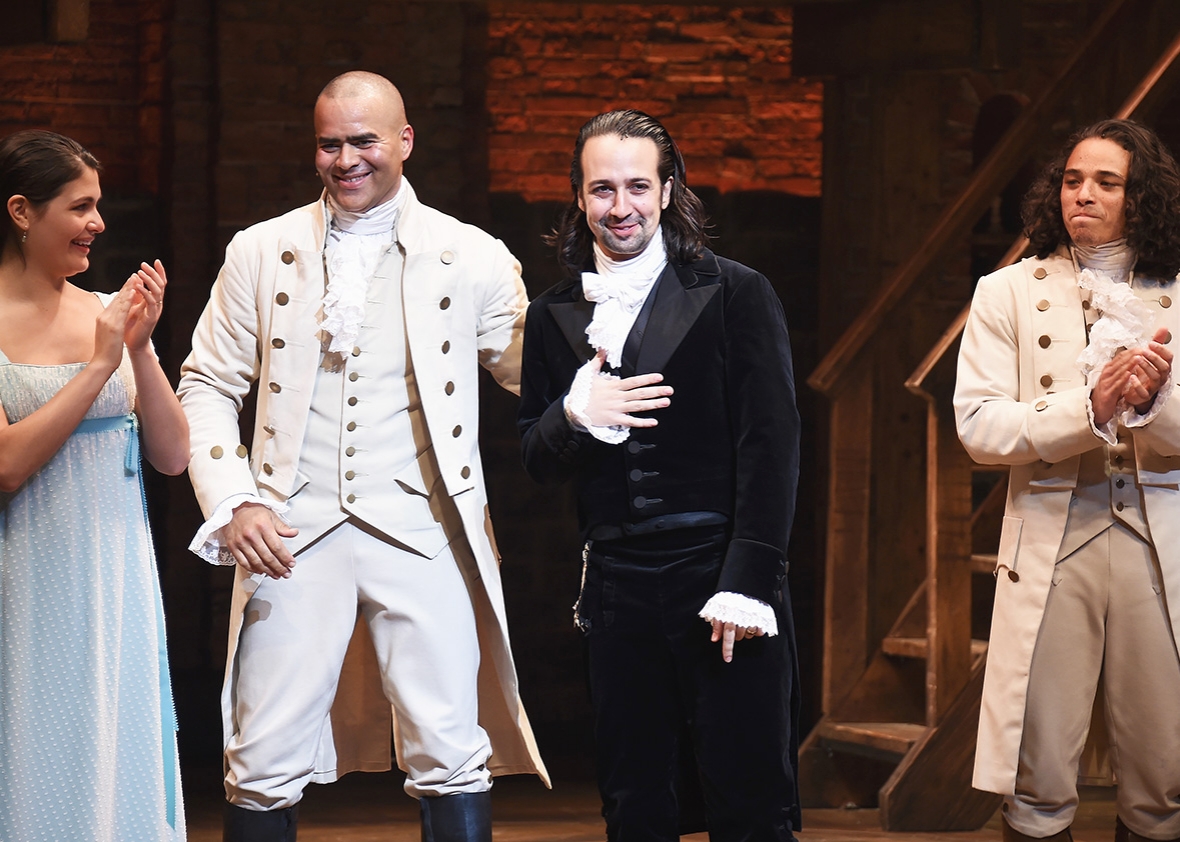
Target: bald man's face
{"points": [[361, 144]]}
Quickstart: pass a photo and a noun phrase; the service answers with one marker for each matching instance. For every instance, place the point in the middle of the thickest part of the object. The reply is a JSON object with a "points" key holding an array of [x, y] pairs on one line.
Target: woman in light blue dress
{"points": [[87, 724]]}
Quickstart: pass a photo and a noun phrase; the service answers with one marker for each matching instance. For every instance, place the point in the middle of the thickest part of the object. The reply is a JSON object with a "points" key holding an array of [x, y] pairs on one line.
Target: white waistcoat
{"points": [[366, 450]]}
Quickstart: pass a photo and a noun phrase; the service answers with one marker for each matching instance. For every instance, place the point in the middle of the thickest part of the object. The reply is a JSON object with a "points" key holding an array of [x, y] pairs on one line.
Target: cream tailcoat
{"points": [[464, 306], [1007, 416]]}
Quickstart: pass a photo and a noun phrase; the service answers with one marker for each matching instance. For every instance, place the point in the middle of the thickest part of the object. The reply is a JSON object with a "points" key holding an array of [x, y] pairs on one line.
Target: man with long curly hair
{"points": [[1065, 374], [685, 499]]}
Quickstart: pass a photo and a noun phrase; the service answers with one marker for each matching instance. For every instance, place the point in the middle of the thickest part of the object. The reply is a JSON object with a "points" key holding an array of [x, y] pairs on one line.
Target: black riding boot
{"points": [[465, 817], [242, 825]]}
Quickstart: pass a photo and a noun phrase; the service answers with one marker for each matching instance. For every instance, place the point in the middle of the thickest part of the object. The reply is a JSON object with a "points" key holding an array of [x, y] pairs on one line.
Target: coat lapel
{"points": [[573, 317], [681, 296]]}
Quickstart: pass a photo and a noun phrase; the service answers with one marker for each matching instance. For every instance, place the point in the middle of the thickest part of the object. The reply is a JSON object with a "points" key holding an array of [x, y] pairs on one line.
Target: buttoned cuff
{"points": [[207, 542], [752, 568]]}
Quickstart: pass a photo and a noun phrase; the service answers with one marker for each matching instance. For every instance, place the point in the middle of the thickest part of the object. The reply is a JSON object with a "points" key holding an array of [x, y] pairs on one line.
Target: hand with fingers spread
{"points": [[730, 633], [254, 537], [613, 400]]}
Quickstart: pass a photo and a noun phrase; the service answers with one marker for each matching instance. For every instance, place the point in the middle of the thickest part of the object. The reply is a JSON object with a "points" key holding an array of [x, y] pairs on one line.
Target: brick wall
{"points": [[106, 92], [275, 56], [719, 78]]}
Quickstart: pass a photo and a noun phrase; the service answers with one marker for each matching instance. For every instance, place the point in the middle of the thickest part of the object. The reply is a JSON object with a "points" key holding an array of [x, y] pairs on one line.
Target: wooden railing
{"points": [[988, 180]]}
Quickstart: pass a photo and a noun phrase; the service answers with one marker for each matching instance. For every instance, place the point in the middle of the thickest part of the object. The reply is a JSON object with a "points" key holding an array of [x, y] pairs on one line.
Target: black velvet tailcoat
{"points": [[729, 440]]}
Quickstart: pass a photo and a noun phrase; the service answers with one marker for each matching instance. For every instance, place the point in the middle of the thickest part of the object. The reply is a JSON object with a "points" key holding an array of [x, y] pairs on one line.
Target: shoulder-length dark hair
{"points": [[38, 164], [683, 221], [1152, 199]]}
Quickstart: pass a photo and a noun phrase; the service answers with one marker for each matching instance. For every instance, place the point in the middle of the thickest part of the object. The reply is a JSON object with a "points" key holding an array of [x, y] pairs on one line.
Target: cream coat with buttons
{"points": [[464, 305], [1027, 322]]}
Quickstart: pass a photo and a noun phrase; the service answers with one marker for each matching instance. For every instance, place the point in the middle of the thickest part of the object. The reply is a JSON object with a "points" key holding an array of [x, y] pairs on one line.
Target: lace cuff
{"points": [[1131, 417], [575, 408], [207, 542], [741, 610]]}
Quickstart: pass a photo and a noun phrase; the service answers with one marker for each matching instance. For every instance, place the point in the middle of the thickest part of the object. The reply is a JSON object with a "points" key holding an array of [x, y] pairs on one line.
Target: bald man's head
{"points": [[362, 140]]}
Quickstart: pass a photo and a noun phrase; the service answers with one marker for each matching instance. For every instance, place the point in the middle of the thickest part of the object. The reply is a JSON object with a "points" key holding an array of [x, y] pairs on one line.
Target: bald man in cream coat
{"points": [[367, 574]]}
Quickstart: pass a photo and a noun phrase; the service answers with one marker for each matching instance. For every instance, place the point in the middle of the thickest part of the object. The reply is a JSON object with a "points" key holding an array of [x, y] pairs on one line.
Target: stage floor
{"points": [[373, 808]]}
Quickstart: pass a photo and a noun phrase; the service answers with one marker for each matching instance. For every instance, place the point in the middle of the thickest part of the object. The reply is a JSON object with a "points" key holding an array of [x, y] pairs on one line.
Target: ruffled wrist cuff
{"points": [[207, 542], [1131, 416], [576, 402], [741, 610]]}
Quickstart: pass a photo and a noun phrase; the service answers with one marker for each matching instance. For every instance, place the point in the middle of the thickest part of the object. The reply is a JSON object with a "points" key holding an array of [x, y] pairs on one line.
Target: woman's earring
{"points": [[24, 235]]}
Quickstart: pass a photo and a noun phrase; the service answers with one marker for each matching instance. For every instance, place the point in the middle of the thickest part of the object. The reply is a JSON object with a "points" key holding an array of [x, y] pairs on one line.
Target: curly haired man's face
{"points": [[1093, 192]]}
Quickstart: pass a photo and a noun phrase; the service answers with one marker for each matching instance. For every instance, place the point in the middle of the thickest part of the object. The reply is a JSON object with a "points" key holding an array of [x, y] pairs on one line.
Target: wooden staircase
{"points": [[900, 713]]}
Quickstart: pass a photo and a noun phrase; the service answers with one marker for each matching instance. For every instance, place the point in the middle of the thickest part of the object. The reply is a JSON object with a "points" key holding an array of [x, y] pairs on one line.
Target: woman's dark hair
{"points": [[1152, 199], [38, 164], [683, 221]]}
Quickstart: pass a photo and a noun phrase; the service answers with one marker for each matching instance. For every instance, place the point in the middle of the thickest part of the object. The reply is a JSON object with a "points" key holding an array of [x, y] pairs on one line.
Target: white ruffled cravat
{"points": [[356, 242], [1124, 320], [618, 290]]}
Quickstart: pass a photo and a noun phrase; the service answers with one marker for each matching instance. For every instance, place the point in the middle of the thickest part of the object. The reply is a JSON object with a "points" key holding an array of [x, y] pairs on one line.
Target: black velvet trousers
{"points": [[662, 695]]}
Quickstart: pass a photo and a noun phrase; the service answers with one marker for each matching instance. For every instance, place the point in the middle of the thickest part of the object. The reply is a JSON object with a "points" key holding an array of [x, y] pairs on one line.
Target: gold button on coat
{"points": [[1039, 273], [350, 474], [216, 451], [353, 376], [282, 298], [268, 468], [351, 426], [352, 401], [277, 343], [242, 451], [350, 451], [1041, 406], [274, 387], [356, 352], [352, 498], [1043, 305], [466, 472], [1165, 302], [288, 258], [447, 257]]}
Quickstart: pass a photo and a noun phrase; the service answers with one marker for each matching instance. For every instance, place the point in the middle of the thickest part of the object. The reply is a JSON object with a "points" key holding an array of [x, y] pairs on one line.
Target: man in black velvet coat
{"points": [[658, 377]]}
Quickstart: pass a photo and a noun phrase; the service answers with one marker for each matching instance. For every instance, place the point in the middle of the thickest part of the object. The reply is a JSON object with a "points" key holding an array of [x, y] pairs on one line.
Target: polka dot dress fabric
{"points": [[87, 724]]}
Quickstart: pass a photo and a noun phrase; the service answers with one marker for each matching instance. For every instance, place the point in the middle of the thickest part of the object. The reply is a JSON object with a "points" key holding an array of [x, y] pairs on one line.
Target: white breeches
{"points": [[1106, 615], [292, 644]]}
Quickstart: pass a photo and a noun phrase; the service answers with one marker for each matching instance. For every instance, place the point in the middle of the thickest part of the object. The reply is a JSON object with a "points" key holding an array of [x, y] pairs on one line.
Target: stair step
{"points": [[917, 647], [983, 562], [874, 738]]}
